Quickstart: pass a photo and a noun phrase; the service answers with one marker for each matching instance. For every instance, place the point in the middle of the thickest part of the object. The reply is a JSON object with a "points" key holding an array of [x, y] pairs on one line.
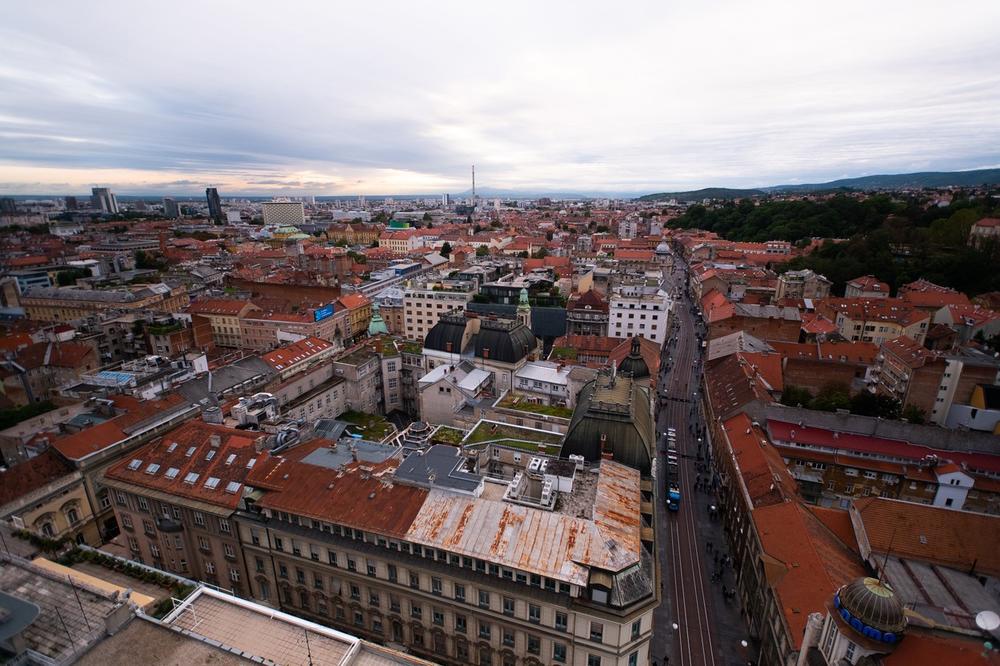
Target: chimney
{"points": [[260, 443], [215, 440]]}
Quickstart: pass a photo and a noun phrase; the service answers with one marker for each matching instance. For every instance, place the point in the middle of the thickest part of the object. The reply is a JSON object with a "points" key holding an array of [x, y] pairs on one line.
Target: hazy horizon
{"points": [[325, 99]]}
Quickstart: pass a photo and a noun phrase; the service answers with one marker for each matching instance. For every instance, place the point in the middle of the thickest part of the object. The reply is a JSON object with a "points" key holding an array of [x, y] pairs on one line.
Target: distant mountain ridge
{"points": [[878, 182], [705, 193]]}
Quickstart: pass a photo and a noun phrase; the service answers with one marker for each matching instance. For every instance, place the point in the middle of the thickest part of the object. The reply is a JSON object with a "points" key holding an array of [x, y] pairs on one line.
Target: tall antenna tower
{"points": [[473, 187]]}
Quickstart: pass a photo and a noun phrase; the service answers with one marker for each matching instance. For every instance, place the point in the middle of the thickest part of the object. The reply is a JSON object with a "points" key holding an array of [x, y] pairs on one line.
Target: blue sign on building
{"points": [[322, 313]]}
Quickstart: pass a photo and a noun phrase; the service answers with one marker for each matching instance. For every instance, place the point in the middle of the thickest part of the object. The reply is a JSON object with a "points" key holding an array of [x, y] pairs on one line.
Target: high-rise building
{"points": [[170, 208], [214, 205], [72, 203], [104, 200], [284, 213], [7, 205], [445, 199]]}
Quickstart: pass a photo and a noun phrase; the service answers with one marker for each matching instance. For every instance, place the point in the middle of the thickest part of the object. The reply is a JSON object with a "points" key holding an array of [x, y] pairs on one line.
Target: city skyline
{"points": [[331, 101]]}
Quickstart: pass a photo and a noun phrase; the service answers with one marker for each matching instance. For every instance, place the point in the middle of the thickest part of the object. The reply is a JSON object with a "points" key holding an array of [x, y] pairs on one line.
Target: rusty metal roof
{"points": [[551, 544]]}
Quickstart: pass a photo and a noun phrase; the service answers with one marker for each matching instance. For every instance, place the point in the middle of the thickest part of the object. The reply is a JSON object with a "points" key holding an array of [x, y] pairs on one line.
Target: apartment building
{"points": [[46, 496], [866, 286], [426, 552], [67, 304], [875, 320], [359, 313], [297, 356], [424, 304], [802, 284], [127, 424], [175, 498], [225, 316], [933, 382], [587, 314], [361, 371], [639, 308]]}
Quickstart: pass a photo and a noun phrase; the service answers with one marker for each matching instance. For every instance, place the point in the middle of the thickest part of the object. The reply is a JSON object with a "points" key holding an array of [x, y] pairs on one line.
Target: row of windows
{"points": [[465, 562], [460, 625], [167, 511]]}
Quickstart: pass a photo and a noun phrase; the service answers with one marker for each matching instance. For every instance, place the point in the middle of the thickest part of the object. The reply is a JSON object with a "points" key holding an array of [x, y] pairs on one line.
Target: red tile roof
{"points": [[764, 475], [948, 537], [295, 352], [924, 649], [354, 496], [354, 301], [217, 306], [804, 563], [783, 431], [73, 355], [110, 432], [184, 462], [31, 475]]}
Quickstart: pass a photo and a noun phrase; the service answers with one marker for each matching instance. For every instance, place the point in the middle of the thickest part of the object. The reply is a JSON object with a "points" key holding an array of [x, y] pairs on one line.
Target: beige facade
{"points": [[422, 306], [61, 304]]}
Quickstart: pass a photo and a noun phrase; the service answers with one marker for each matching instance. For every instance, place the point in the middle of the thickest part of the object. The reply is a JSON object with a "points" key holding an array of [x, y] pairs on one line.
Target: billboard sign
{"points": [[319, 314]]}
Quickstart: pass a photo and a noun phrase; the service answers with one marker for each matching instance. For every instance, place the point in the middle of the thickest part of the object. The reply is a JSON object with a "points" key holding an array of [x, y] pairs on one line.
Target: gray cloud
{"points": [[569, 95]]}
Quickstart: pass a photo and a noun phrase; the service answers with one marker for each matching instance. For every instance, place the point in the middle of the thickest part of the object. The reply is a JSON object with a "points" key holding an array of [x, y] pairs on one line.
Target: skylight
{"points": [[251, 462], [233, 487], [173, 445], [172, 473], [191, 478], [153, 468], [190, 452], [230, 458], [210, 454], [212, 483], [134, 464]]}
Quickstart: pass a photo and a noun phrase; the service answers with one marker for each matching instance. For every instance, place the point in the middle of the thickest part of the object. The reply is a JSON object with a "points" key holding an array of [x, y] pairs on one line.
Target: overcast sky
{"points": [[379, 97]]}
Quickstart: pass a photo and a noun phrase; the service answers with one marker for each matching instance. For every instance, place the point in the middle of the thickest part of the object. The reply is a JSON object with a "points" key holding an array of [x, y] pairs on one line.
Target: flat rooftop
{"points": [[61, 628], [255, 632]]}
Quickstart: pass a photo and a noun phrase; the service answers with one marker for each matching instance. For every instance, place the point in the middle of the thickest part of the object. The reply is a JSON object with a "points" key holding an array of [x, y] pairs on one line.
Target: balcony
{"points": [[169, 525]]}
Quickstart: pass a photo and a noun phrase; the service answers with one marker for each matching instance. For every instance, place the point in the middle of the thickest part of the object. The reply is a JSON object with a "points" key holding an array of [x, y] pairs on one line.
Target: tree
{"points": [[482, 251], [796, 396], [831, 398], [427, 218], [866, 403], [541, 253], [446, 249], [70, 276], [914, 414], [548, 235]]}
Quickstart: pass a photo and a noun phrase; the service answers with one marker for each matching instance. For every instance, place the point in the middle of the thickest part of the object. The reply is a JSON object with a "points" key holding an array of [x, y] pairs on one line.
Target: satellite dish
{"points": [[987, 620]]}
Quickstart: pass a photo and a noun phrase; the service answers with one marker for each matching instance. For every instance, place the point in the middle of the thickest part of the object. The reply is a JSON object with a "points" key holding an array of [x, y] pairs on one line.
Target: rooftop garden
{"points": [[563, 354], [514, 436], [521, 403], [411, 347], [372, 427], [448, 435]]}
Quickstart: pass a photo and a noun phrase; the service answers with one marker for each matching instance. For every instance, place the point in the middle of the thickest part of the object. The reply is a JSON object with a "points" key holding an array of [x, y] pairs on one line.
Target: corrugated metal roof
{"points": [[548, 543]]}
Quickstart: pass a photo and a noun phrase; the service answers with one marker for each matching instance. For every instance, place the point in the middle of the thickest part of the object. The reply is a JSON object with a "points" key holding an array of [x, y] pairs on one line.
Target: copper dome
{"points": [[873, 603]]}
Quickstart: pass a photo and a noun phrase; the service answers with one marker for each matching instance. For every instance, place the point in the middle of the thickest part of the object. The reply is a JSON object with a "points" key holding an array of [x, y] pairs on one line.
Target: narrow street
{"points": [[698, 625]]}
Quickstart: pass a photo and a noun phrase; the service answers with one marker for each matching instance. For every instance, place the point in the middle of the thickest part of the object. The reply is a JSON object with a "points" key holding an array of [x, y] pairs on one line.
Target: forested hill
{"points": [[901, 180], [897, 241], [838, 217], [706, 193]]}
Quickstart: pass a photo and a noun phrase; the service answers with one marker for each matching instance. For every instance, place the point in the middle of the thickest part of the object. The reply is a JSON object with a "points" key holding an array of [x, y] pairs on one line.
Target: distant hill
{"points": [[705, 193], [881, 182], [898, 180]]}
